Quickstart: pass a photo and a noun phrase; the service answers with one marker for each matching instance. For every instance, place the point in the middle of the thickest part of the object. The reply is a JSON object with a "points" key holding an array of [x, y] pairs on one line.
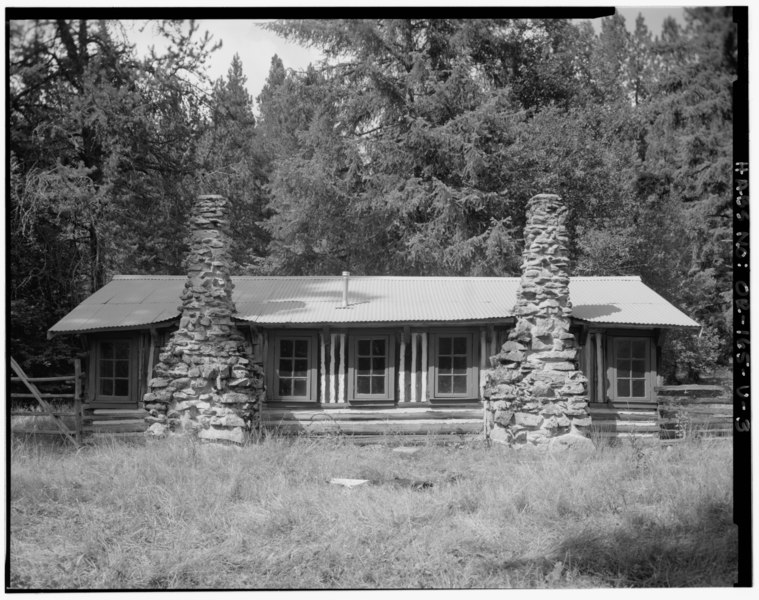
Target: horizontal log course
{"points": [[691, 391], [104, 413], [119, 426], [620, 415], [377, 427], [698, 406], [685, 401], [412, 438], [129, 435], [370, 415], [627, 426], [110, 405], [387, 406], [671, 439], [705, 414], [622, 405], [625, 434], [675, 434], [690, 422]]}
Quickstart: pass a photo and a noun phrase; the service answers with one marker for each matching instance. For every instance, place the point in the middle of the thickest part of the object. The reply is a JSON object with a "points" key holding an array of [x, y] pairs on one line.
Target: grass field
{"points": [[176, 514]]}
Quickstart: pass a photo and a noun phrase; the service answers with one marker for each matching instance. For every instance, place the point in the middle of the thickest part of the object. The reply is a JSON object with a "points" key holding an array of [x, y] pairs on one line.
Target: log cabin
{"points": [[338, 348], [360, 355]]}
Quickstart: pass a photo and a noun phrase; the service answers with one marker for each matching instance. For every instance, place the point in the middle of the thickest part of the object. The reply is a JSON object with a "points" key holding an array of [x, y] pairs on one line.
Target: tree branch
{"points": [[68, 42]]}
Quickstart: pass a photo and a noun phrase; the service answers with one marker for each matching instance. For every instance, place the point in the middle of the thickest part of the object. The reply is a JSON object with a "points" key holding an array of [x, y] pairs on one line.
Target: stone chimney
{"points": [[535, 396], [205, 382]]}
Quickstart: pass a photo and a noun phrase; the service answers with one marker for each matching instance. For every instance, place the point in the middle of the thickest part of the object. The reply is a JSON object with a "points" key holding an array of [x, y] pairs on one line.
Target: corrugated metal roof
{"points": [[622, 301], [372, 299], [132, 300]]}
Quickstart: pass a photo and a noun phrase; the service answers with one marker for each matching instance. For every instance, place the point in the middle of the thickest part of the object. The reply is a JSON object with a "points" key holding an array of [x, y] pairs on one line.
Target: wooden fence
{"points": [[82, 419], [74, 435]]}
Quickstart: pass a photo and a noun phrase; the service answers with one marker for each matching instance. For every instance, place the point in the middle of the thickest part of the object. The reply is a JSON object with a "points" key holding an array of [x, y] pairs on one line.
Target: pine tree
{"points": [[689, 148], [232, 163], [102, 145], [421, 136]]}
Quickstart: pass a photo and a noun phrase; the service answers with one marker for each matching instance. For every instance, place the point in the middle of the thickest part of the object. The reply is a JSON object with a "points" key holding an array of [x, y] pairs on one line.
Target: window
{"points": [[114, 370], [372, 367], [453, 372], [631, 376], [294, 377]]}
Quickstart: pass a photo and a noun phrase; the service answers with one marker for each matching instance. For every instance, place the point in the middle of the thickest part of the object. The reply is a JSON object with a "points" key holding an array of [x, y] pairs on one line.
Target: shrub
{"points": [[687, 355]]}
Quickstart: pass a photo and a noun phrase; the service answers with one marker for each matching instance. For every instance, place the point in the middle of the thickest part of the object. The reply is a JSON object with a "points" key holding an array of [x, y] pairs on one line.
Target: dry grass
{"points": [[175, 514]]}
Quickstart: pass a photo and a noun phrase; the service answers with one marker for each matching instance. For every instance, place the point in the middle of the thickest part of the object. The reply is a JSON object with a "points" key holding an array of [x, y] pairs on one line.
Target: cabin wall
{"points": [[411, 410], [486, 342], [694, 411]]}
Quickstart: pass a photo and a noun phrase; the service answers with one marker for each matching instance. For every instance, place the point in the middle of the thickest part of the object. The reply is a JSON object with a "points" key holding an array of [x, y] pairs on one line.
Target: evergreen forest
{"points": [[410, 148]]}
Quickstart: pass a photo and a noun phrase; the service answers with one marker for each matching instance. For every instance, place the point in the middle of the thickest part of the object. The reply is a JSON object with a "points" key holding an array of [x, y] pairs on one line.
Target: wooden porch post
{"points": [[589, 366], [483, 348], [424, 367], [257, 343], [413, 366], [151, 355], [342, 368], [332, 392], [402, 370], [323, 349], [599, 369], [268, 367]]}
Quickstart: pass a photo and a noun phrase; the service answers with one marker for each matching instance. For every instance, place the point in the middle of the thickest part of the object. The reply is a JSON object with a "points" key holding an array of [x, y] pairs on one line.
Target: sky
{"points": [[256, 46]]}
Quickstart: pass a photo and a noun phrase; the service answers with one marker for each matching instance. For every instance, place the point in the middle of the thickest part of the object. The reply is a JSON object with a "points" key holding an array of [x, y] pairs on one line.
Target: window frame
{"points": [[390, 366], [472, 369], [312, 388], [612, 351], [97, 375]]}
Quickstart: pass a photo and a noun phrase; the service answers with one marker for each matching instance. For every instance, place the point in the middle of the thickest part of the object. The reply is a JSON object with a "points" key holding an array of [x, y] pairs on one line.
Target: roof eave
{"points": [[617, 325], [164, 323], [398, 323]]}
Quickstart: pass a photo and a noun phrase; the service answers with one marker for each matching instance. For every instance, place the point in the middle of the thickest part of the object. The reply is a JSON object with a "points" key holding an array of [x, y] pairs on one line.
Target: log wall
{"points": [[413, 419], [624, 420], [694, 411]]}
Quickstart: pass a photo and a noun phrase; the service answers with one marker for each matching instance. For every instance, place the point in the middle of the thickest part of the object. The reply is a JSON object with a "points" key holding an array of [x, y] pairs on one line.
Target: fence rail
{"points": [[61, 379]]}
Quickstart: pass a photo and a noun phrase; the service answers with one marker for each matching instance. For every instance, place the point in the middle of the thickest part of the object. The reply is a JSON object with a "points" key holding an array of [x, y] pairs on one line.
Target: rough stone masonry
{"points": [[205, 382], [535, 396]]}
